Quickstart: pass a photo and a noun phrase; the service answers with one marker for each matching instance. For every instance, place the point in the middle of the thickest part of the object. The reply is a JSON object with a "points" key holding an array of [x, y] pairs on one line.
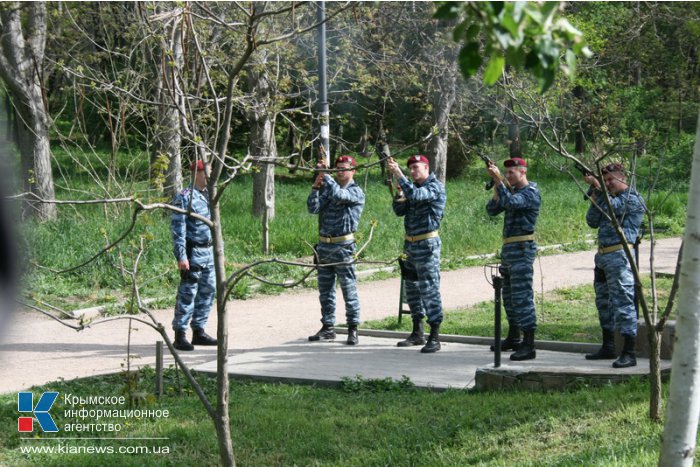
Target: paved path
{"points": [[35, 349], [453, 367]]}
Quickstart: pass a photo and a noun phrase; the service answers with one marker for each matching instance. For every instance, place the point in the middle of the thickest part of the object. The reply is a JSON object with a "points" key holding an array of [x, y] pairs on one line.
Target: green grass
{"points": [[80, 231], [373, 422], [367, 424], [568, 314]]}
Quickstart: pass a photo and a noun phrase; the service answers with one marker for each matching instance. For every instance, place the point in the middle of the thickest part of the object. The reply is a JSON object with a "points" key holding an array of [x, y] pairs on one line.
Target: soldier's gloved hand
{"points": [[494, 173], [183, 265], [393, 167], [318, 181], [592, 181]]}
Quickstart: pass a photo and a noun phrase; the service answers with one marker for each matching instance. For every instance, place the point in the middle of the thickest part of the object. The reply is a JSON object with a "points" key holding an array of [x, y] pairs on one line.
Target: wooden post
{"points": [[159, 368]]}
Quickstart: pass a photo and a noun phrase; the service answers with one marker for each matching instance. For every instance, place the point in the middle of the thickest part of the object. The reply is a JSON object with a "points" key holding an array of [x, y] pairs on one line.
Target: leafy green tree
{"points": [[525, 35]]}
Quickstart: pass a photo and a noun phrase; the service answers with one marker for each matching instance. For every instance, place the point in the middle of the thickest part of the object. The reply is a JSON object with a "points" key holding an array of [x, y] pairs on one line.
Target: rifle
{"points": [[585, 172], [380, 147], [582, 168], [390, 183], [488, 161]]}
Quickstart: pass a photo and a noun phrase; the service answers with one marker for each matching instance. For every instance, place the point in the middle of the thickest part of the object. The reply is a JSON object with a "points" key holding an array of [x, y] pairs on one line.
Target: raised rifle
{"points": [[383, 157], [488, 161], [585, 172]]}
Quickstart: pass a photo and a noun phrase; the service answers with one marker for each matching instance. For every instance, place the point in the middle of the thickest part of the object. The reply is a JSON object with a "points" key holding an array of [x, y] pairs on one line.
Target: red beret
{"points": [[199, 165], [614, 167], [346, 159], [417, 158], [515, 162]]}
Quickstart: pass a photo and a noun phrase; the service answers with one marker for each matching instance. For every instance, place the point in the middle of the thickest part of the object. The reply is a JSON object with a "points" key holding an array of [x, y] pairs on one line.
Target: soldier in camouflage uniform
{"points": [[339, 205], [521, 204], [195, 260], [422, 204], [613, 278]]}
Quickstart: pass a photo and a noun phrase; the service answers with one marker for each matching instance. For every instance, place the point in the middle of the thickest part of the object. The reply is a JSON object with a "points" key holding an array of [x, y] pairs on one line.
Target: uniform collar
{"points": [[430, 178]]}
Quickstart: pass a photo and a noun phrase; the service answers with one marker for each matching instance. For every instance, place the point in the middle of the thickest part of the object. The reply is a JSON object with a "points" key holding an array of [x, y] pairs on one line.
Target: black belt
{"points": [[191, 244]]}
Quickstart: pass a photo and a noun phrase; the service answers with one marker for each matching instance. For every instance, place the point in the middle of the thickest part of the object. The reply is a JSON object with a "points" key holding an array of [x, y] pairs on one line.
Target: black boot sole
{"points": [[509, 346], [519, 358], [626, 364], [408, 343], [318, 338], [196, 342], [431, 349], [601, 357]]}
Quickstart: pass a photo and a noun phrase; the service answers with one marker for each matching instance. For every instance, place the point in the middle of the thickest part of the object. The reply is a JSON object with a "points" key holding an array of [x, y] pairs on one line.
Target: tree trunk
{"points": [[382, 148], [223, 423], [262, 146], [223, 420], [514, 148], [680, 430], [580, 138], [443, 99], [20, 64], [168, 135], [293, 146], [654, 373]]}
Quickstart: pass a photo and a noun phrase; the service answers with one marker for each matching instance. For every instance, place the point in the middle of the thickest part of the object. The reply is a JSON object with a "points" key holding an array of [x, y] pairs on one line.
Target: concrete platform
{"points": [[457, 366]]}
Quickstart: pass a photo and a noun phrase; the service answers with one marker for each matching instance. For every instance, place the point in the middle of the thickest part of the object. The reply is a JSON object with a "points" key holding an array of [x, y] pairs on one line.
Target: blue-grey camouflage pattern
{"points": [[628, 207], [614, 293], [197, 288], [423, 295], [422, 207], [613, 279], [522, 207], [339, 210]]}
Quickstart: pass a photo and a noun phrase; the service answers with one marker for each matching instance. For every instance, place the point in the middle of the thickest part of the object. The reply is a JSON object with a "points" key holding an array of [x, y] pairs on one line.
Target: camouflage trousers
{"points": [[614, 293], [337, 253], [422, 279], [195, 295], [517, 260]]}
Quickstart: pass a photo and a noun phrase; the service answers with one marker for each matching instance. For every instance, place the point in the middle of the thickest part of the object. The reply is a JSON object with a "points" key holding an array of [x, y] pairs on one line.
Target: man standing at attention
{"points": [[422, 204], [521, 203], [195, 260], [613, 279], [339, 205]]}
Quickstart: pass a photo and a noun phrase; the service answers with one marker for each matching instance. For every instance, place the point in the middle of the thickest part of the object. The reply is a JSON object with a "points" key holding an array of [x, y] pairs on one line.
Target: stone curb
{"points": [[572, 347]]}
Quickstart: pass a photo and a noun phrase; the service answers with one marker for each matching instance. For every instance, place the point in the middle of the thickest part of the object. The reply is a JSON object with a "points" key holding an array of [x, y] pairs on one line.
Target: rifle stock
{"points": [[389, 182]]}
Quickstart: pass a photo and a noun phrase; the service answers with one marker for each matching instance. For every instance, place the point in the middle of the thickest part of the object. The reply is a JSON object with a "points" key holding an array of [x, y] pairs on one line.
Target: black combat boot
{"points": [[628, 357], [352, 335], [181, 342], [513, 341], [199, 337], [417, 336], [433, 344], [326, 333], [527, 348], [607, 351]]}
